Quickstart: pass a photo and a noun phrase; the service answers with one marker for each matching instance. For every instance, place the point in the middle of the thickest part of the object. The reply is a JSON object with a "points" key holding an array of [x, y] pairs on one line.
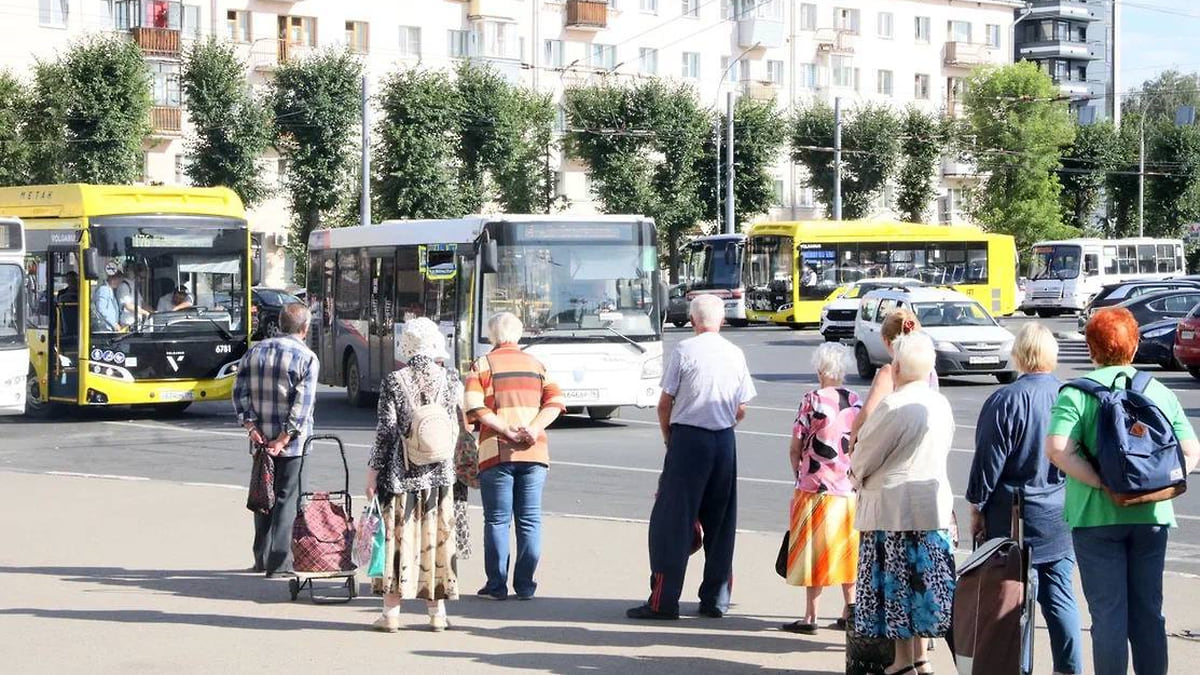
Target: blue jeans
{"points": [[512, 490], [1057, 599], [1122, 570]]}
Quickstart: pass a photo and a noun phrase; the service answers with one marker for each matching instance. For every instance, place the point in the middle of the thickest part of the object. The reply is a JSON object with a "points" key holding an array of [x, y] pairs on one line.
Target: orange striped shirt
{"points": [[514, 386]]}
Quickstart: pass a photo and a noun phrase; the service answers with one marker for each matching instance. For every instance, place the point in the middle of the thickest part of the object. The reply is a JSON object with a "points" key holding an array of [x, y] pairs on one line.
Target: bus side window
{"points": [[1091, 264], [410, 285], [36, 294]]}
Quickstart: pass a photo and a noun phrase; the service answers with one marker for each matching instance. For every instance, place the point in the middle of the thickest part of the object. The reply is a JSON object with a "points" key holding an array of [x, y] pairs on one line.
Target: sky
{"points": [[1158, 35]]}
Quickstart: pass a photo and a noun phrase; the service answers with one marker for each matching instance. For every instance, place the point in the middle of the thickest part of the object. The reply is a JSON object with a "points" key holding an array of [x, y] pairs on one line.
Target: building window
{"points": [[53, 13], [165, 91], [993, 35], [650, 6], [921, 87], [560, 119], [808, 75], [458, 43], [883, 83], [181, 177], [775, 72], [497, 40], [842, 71], [358, 36], [691, 65], [808, 16], [886, 25], [805, 198], [958, 31], [552, 53], [648, 61], [604, 56], [237, 25], [301, 30], [777, 193], [191, 21], [410, 41], [691, 8], [922, 28], [727, 72], [845, 19]]}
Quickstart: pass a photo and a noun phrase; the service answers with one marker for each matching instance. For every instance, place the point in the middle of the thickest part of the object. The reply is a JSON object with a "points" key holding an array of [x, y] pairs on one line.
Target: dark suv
{"points": [[1115, 294]]}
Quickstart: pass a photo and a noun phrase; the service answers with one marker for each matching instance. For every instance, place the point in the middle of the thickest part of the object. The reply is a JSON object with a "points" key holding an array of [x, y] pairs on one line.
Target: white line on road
{"points": [[768, 434], [106, 476]]}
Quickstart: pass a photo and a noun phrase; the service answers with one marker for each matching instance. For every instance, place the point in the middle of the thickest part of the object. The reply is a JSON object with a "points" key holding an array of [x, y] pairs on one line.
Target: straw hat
{"points": [[421, 337]]}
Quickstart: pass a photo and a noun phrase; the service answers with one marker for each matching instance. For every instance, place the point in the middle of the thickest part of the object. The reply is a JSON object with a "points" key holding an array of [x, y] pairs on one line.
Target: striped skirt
{"points": [[823, 544]]}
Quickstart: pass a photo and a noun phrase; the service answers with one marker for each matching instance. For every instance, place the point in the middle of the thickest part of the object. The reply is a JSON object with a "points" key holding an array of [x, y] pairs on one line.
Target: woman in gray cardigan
{"points": [[906, 558]]}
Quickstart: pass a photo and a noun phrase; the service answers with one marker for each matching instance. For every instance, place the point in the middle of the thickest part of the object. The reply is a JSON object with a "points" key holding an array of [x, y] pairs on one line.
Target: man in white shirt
{"points": [[174, 301], [706, 386]]}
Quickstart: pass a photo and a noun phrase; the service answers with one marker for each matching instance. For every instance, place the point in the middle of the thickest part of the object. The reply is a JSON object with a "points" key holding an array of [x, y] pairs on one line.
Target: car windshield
{"points": [[952, 313], [1057, 261]]}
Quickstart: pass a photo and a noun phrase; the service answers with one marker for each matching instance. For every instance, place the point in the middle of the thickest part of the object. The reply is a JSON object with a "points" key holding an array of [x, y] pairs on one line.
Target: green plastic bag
{"points": [[378, 553]]}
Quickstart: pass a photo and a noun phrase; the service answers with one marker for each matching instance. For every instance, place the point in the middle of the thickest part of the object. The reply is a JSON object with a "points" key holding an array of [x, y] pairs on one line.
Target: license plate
{"points": [[1187, 335], [580, 394], [983, 360], [176, 395]]}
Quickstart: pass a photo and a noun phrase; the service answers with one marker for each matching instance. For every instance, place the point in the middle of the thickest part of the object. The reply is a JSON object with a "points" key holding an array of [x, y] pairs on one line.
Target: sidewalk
{"points": [[104, 575]]}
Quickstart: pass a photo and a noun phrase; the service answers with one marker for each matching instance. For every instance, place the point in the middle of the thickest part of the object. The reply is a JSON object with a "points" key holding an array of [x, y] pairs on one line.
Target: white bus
{"points": [[587, 289], [14, 350], [1064, 275]]}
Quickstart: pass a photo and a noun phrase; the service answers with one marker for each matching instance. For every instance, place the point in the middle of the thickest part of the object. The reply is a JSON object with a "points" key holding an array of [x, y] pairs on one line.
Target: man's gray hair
{"points": [[504, 328], [294, 318], [707, 310], [915, 357], [830, 360]]}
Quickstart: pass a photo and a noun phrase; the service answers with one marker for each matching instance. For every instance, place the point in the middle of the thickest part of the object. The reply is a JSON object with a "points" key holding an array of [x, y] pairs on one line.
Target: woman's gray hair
{"points": [[915, 357], [830, 360], [707, 310], [504, 327]]}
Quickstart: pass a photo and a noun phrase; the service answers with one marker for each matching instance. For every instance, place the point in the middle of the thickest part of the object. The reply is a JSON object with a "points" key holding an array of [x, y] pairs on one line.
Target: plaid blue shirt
{"points": [[276, 389]]}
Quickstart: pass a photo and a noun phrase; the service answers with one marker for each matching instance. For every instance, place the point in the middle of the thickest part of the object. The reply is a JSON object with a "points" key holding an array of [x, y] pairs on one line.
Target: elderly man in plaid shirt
{"points": [[274, 397]]}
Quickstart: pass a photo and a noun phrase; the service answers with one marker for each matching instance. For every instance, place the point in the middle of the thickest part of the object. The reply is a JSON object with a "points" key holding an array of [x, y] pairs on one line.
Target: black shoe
{"points": [[485, 593], [644, 612], [710, 612], [524, 597], [281, 574], [802, 627]]}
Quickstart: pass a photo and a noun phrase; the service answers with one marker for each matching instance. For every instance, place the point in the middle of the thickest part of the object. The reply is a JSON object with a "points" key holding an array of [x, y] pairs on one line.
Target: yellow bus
{"points": [[791, 270], [135, 295]]}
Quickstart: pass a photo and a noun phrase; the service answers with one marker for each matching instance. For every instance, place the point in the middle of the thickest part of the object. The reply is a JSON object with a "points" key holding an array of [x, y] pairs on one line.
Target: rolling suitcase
{"points": [[993, 605]]}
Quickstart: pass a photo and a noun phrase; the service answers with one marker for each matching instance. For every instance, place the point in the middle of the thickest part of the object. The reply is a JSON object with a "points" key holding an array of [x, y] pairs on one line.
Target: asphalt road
{"points": [[600, 469]]}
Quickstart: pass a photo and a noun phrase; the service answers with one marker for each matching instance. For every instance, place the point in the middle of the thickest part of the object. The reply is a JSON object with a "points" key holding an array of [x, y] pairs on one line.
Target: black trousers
{"points": [[273, 531]]}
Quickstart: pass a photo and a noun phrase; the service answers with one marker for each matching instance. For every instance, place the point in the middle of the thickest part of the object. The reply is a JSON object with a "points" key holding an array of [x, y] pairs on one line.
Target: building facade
{"points": [[1075, 42], [898, 52]]}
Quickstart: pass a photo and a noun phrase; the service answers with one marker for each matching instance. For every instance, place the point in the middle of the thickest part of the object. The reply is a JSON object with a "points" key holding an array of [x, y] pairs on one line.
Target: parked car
{"points": [[1156, 344], [967, 339], [1115, 294], [1155, 307], [677, 306], [839, 315], [1187, 342], [266, 304]]}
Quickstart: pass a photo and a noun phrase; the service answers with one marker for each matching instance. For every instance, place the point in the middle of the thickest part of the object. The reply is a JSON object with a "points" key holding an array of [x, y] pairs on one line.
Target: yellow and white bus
{"points": [[14, 350], [103, 265], [791, 270]]}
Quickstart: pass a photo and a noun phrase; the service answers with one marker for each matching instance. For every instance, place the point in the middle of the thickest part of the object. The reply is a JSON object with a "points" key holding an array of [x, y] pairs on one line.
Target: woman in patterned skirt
{"points": [[418, 500], [823, 544], [905, 584]]}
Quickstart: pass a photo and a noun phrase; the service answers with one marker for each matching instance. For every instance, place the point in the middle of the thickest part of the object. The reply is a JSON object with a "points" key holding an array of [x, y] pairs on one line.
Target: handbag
{"points": [[261, 497], [364, 537], [376, 569], [782, 558]]}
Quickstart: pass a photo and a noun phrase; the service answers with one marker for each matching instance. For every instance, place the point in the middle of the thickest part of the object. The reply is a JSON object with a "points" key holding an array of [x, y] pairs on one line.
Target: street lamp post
{"points": [[730, 225]]}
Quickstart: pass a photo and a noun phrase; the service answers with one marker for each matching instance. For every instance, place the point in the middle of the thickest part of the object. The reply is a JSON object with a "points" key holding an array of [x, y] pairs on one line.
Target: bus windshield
{"points": [[595, 279], [12, 328], [770, 260], [715, 264], [176, 275], [932, 314], [1056, 261]]}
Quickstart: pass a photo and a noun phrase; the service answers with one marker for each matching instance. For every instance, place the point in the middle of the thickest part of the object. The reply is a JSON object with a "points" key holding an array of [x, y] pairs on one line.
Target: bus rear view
{"points": [[14, 350]]}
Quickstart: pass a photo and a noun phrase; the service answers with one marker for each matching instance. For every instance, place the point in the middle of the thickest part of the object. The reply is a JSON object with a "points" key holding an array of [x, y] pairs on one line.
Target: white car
{"points": [[967, 339], [838, 316]]}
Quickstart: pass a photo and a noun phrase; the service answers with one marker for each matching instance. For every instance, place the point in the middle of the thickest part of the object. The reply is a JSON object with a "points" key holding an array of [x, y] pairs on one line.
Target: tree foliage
{"points": [[14, 150], [642, 143], [1085, 168], [46, 125], [921, 146], [759, 133], [232, 128], [317, 103], [1159, 97], [1173, 189], [870, 153], [1019, 127]]}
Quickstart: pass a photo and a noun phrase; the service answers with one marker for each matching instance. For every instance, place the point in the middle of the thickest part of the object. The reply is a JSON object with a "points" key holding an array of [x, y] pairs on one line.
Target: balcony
{"points": [[833, 41], [955, 167], [968, 54], [159, 42], [763, 32], [758, 90], [266, 54], [1073, 87], [495, 9], [166, 120], [1061, 10], [1062, 49], [589, 15]]}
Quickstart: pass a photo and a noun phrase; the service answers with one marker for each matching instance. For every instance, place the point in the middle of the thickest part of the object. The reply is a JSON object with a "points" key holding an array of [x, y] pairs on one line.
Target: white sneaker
{"points": [[386, 624], [438, 623]]}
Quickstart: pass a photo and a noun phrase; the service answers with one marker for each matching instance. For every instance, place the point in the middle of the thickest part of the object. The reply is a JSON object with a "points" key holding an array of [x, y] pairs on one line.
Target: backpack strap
{"points": [[1087, 385], [1140, 381]]}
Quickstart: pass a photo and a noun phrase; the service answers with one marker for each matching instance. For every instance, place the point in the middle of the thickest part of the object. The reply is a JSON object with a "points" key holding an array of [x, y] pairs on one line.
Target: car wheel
{"points": [[866, 369], [1006, 378], [1172, 364], [1194, 371], [679, 324], [355, 395], [1028, 312], [738, 323], [270, 328], [603, 412]]}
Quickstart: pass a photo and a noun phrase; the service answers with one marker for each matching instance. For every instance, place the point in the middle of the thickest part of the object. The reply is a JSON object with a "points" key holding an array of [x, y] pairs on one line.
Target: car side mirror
{"points": [[91, 264], [489, 257]]}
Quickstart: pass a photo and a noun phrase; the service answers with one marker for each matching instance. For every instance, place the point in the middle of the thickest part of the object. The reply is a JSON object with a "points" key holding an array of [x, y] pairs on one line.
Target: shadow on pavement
{"points": [[138, 616], [589, 663]]}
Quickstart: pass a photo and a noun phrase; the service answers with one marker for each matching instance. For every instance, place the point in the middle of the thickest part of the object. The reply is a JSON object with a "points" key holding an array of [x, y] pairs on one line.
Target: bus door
{"points": [[381, 326], [63, 309]]}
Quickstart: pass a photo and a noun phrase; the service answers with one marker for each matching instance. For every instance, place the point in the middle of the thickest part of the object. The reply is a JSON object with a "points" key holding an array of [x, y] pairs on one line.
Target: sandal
{"points": [[917, 667], [902, 671], [800, 626]]}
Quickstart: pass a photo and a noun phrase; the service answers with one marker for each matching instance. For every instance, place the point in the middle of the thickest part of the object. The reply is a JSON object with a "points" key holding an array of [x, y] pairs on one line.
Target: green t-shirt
{"points": [[1074, 416]]}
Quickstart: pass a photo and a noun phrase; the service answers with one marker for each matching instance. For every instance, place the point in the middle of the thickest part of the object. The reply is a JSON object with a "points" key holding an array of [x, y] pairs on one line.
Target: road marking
{"points": [[764, 433], [106, 476]]}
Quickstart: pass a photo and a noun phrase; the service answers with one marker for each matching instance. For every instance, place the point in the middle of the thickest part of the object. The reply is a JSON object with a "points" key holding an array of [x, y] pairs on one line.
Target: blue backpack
{"points": [[1137, 455]]}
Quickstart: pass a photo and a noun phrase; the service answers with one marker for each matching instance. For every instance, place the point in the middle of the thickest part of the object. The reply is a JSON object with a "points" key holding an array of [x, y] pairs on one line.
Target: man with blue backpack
{"points": [[1126, 446]]}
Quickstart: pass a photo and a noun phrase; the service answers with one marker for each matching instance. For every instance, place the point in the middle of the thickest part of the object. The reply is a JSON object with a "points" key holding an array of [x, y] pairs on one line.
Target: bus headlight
{"points": [[652, 368], [944, 346]]}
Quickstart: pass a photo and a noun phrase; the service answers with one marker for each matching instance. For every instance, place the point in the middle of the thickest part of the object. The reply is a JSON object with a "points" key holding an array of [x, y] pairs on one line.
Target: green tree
{"points": [[232, 128], [870, 153], [1173, 183], [1121, 185], [1019, 127], [922, 144], [14, 150], [317, 103], [1160, 97], [1085, 168], [46, 124], [759, 134]]}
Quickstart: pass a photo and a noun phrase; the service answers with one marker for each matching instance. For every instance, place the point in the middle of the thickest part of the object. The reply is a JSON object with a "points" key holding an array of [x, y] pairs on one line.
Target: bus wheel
{"points": [[1046, 313], [679, 324], [171, 409], [603, 412], [866, 369], [35, 407], [354, 393], [1028, 312]]}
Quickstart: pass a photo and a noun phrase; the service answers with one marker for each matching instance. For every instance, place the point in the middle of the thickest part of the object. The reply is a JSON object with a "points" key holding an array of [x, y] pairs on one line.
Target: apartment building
{"points": [[894, 51], [1074, 41]]}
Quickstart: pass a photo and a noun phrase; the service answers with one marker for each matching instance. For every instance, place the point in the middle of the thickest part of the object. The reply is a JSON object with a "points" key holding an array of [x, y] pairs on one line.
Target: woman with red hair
{"points": [[1120, 550]]}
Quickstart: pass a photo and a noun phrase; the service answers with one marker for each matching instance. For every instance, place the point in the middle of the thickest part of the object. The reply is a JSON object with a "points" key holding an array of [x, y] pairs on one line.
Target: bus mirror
{"points": [[489, 257], [255, 270], [91, 264]]}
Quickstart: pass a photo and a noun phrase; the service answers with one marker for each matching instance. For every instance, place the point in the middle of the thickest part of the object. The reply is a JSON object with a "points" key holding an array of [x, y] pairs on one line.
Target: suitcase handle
{"points": [[304, 453]]}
